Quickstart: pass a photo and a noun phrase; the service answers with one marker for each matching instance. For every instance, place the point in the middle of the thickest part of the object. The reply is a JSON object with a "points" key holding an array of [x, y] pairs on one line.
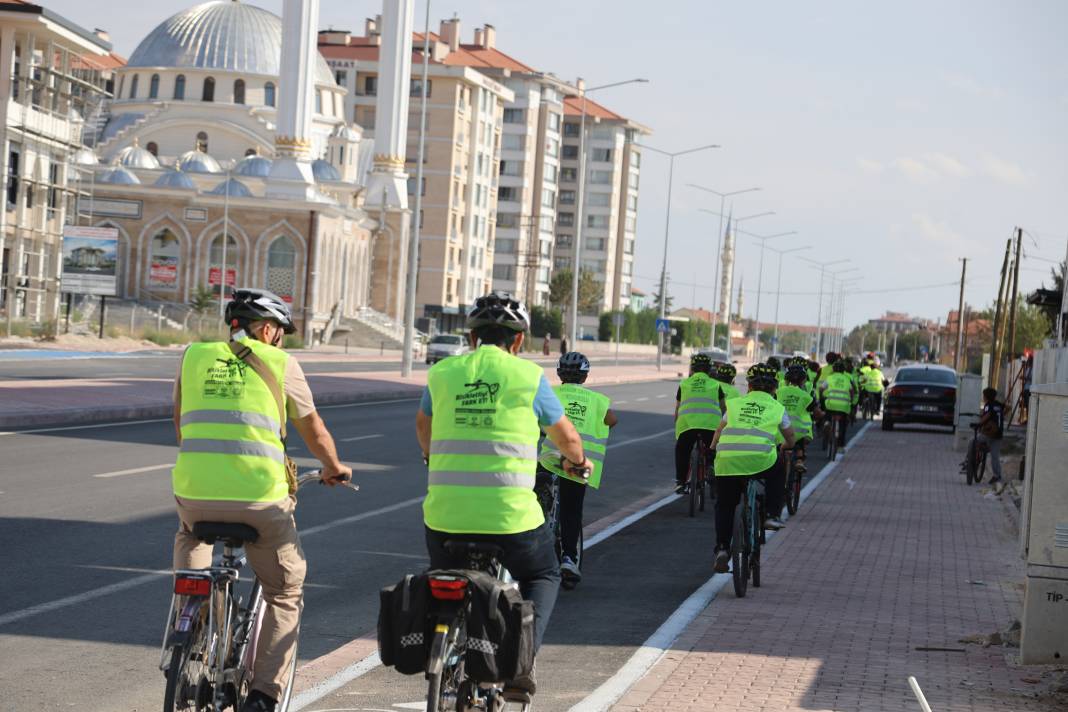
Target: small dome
{"points": [[324, 172], [233, 187], [136, 157], [197, 161], [117, 175], [85, 156], [345, 133], [254, 166], [175, 179]]}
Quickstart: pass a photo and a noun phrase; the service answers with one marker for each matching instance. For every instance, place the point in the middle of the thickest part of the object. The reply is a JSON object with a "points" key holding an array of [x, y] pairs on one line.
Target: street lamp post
{"points": [[778, 290], [667, 231], [835, 309], [760, 282], [819, 308], [719, 247], [580, 200]]}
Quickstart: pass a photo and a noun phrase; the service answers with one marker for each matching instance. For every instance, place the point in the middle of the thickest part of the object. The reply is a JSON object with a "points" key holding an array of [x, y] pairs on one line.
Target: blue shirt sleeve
{"points": [[546, 405], [425, 403]]}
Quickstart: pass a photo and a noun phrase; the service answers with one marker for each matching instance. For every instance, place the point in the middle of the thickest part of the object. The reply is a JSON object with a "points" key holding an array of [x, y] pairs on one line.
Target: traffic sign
{"points": [[663, 326], [619, 319]]}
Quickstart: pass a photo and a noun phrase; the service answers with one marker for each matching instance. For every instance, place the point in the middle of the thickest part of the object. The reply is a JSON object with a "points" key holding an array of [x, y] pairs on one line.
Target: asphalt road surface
{"points": [[87, 521]]}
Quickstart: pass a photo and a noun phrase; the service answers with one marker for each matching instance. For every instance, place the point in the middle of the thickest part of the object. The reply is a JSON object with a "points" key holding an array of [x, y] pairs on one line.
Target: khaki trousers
{"points": [[278, 561]]}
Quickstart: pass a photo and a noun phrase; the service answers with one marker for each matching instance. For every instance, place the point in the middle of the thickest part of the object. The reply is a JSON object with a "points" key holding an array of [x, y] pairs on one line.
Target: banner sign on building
{"points": [[90, 260]]}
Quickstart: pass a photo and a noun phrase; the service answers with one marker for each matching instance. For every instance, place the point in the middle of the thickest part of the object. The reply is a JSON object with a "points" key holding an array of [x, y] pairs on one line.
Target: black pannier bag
{"points": [[500, 630], [404, 625]]}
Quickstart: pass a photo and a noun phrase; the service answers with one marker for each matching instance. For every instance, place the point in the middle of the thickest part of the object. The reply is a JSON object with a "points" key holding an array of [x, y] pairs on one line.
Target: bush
{"points": [[546, 321]]}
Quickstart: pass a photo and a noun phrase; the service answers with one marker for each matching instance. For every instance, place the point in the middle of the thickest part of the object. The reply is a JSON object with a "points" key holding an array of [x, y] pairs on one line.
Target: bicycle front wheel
{"points": [[980, 468], [970, 464]]}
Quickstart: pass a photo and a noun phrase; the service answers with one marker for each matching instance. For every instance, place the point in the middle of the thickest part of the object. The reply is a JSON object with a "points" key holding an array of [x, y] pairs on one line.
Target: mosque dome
{"points": [[136, 157], [253, 166], [85, 156], [175, 179], [117, 175], [233, 187], [221, 35], [324, 171], [196, 161]]}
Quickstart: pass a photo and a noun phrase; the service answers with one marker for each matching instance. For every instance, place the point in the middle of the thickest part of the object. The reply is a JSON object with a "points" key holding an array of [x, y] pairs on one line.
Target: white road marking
{"points": [[361, 405], [134, 471], [662, 395], [645, 657], [643, 438], [331, 684], [361, 437], [360, 517], [642, 399], [619, 402]]}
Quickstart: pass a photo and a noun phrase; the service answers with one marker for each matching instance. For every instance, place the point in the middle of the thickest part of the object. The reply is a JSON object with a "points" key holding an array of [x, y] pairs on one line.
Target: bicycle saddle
{"points": [[459, 548], [233, 535]]}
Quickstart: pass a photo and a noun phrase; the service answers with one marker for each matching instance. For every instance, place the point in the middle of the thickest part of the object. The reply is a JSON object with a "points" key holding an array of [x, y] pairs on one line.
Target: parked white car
{"points": [[445, 345]]}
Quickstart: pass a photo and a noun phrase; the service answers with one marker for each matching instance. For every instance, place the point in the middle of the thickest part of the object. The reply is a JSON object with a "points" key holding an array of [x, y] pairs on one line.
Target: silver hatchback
{"points": [[445, 345]]}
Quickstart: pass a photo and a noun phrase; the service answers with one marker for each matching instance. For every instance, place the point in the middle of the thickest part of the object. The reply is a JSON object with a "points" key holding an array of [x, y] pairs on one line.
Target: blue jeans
{"points": [[530, 558], [994, 455]]}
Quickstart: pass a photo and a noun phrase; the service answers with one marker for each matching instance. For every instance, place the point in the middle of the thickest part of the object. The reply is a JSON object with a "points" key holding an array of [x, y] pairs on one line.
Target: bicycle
{"points": [[974, 465], [447, 685], [837, 423], [748, 538], [793, 481], [699, 466], [212, 640], [549, 498], [866, 405]]}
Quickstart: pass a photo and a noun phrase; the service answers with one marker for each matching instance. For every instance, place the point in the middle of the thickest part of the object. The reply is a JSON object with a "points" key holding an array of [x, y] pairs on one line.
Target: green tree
{"points": [[656, 303], [590, 291], [792, 341], [545, 320], [203, 300]]}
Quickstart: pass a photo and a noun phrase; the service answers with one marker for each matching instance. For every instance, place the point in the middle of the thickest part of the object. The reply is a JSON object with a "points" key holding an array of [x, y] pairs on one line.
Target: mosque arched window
{"points": [[208, 94], [239, 91], [152, 148], [133, 86], [153, 87], [281, 268], [202, 141], [179, 87], [164, 259], [268, 94], [215, 264]]}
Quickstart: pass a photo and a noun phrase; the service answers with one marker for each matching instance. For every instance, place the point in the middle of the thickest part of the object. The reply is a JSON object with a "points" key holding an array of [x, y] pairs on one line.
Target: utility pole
{"points": [[1012, 307], [960, 316], [999, 319]]}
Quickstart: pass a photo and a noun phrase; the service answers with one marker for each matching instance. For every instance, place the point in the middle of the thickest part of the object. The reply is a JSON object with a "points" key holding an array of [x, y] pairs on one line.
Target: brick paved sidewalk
{"points": [[906, 558]]}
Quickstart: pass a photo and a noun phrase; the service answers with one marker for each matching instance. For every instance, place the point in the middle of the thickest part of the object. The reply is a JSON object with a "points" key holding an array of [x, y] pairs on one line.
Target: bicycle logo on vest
{"points": [[575, 409], [476, 407], [225, 379]]}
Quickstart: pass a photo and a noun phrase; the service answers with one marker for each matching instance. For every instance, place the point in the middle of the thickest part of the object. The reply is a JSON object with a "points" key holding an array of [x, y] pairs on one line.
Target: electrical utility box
{"points": [[969, 404], [1044, 528]]}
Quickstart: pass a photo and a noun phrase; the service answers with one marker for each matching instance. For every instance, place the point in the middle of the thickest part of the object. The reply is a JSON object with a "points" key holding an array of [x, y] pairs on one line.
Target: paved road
{"points": [[88, 510]]}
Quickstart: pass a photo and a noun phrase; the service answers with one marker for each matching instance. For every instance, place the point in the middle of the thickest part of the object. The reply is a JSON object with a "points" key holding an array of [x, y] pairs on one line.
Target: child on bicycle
{"points": [[801, 406], [699, 403], [725, 373], [592, 416]]}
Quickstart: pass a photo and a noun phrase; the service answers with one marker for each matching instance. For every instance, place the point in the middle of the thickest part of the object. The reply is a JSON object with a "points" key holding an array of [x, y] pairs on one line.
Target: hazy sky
{"points": [[900, 135]]}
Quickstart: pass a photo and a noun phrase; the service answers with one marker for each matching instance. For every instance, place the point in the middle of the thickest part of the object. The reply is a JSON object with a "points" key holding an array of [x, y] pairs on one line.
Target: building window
{"points": [[153, 87], [239, 91], [571, 130], [552, 147], [513, 142], [505, 246], [179, 87], [13, 156], [550, 173], [554, 122], [565, 219], [599, 200], [268, 94], [133, 86], [416, 88], [628, 247], [370, 86], [597, 221], [53, 186], [505, 272], [596, 244], [164, 257], [152, 148], [635, 159], [281, 268], [506, 192], [341, 77], [513, 116], [411, 186], [208, 93], [567, 197], [601, 177], [632, 180], [215, 266], [548, 198], [602, 154], [202, 141], [562, 262], [568, 175], [631, 224], [511, 168], [632, 202], [570, 153]]}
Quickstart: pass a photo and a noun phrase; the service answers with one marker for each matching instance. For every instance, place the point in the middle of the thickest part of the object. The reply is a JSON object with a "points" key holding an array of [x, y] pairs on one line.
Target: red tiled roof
{"points": [[472, 55], [362, 52], [573, 107]]}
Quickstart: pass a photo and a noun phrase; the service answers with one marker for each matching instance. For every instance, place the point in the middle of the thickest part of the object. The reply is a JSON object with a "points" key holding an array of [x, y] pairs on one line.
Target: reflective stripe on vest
{"points": [[698, 404], [837, 394], [586, 410], [747, 445], [483, 444], [231, 448], [796, 400]]}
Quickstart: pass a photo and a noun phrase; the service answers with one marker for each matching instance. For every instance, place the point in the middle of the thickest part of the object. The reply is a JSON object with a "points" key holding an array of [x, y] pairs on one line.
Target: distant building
{"points": [[637, 299], [898, 322], [693, 314]]}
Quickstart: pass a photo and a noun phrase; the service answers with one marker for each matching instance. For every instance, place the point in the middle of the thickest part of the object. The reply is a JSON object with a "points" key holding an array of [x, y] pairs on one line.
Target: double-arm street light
{"points": [[822, 266], [576, 262], [667, 231], [833, 313], [719, 258], [760, 281], [778, 290], [841, 310], [734, 263]]}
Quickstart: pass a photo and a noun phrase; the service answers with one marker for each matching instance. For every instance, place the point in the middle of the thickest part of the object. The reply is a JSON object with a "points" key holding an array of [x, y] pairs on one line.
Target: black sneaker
{"points": [[723, 560], [258, 702], [681, 488]]}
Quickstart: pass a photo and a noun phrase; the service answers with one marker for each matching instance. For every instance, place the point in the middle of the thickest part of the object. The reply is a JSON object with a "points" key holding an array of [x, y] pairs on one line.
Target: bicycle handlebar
{"points": [[317, 475]]}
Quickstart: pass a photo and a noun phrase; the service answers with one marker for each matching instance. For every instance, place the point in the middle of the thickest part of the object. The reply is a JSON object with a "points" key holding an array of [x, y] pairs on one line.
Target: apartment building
{"points": [[610, 206], [53, 75], [465, 111]]}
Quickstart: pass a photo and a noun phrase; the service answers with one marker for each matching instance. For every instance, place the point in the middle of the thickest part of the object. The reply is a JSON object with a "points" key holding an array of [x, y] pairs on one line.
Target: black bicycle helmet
{"points": [[761, 374], [848, 364], [798, 362], [498, 309], [796, 375], [831, 357], [725, 372], [573, 367], [249, 305], [814, 366], [839, 366], [775, 363], [701, 362]]}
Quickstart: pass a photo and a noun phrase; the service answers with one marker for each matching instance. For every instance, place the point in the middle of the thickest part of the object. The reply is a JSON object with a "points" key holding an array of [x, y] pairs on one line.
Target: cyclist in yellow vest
{"points": [[836, 399], [746, 447], [801, 406], [231, 469], [591, 414], [828, 368], [725, 373], [854, 399], [478, 425], [698, 409], [873, 384]]}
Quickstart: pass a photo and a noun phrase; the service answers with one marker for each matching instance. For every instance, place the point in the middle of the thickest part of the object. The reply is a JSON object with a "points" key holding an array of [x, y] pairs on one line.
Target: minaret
{"points": [[387, 185], [291, 174], [727, 274], [741, 298]]}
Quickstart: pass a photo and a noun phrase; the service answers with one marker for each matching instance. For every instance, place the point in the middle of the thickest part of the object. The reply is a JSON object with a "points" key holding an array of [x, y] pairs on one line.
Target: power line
{"points": [[940, 285]]}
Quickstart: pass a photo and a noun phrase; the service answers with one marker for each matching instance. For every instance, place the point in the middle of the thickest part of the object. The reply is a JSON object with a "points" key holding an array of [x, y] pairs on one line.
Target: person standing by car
{"points": [[992, 430]]}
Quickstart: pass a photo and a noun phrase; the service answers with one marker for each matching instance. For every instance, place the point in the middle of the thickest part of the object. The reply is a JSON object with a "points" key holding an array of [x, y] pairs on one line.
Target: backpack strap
{"points": [[254, 362]]}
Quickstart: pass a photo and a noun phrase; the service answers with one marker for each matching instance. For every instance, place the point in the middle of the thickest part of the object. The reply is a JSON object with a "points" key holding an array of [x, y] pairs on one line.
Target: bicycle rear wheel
{"points": [[188, 687], [443, 686], [832, 449], [702, 474], [791, 475], [980, 467], [970, 464], [740, 550], [695, 483]]}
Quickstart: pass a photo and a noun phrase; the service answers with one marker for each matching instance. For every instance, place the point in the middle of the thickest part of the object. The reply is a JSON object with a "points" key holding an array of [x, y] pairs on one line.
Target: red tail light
{"points": [[192, 586], [448, 589], [894, 392]]}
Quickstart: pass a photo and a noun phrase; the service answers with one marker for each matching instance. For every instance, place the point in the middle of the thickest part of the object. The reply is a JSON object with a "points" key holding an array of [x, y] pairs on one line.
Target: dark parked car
{"points": [[921, 394]]}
